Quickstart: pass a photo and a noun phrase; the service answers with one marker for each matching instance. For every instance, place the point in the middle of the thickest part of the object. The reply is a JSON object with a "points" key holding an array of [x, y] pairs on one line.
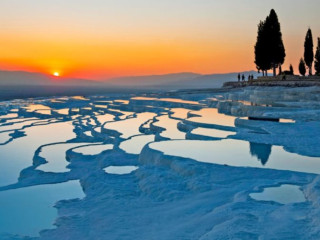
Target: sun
{"points": [[56, 74]]}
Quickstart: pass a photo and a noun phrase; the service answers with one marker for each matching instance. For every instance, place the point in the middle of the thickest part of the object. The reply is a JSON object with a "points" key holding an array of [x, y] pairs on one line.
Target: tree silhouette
{"points": [[291, 69], [308, 50], [262, 60], [302, 67], [269, 48], [261, 151], [275, 44], [317, 59]]}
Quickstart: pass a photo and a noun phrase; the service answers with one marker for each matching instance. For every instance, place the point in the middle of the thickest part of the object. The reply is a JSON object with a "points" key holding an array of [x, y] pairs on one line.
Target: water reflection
{"points": [[135, 144], [123, 121], [120, 170], [93, 149], [235, 153], [27, 211], [261, 151], [211, 116], [130, 127], [284, 194], [19, 154]]}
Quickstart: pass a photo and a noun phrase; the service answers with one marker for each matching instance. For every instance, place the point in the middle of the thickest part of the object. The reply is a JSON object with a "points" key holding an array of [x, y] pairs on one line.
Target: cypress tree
{"points": [[317, 59], [302, 67], [262, 60], [276, 50], [308, 50]]}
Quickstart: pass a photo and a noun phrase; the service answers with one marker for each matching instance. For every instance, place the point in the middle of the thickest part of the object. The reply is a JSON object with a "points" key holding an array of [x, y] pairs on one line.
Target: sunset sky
{"points": [[99, 39]]}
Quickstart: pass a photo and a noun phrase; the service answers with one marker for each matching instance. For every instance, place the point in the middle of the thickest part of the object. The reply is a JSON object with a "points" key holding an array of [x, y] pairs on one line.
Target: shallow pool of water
{"points": [[19, 153], [212, 116], [239, 154], [55, 155], [135, 144], [284, 194], [36, 107], [104, 118], [27, 211], [4, 137], [19, 125], [130, 127], [9, 116], [120, 170], [210, 132], [93, 149], [180, 113], [170, 127]]}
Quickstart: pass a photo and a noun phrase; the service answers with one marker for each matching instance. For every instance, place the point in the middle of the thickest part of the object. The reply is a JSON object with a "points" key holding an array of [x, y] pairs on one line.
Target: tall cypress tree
{"points": [[317, 59], [308, 50], [276, 48], [269, 49], [262, 60]]}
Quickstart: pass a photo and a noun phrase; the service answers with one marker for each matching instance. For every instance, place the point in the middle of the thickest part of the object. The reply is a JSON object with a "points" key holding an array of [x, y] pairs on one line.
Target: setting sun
{"points": [[56, 74]]}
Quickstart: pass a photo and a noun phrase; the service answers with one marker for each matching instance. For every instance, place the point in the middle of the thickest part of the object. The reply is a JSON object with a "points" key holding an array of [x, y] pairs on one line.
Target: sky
{"points": [[100, 39]]}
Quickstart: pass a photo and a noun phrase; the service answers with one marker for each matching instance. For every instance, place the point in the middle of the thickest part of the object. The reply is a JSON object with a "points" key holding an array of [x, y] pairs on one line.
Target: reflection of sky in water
{"points": [[88, 133], [121, 101], [180, 113], [283, 194], [19, 125], [55, 155], [93, 149], [173, 100], [104, 118], [64, 111], [27, 211], [135, 144], [9, 115], [13, 161], [79, 98], [120, 169], [44, 111], [170, 125], [31, 207], [210, 132], [237, 153], [4, 137], [101, 106], [124, 115], [143, 98], [130, 127], [36, 107], [176, 100], [211, 116]]}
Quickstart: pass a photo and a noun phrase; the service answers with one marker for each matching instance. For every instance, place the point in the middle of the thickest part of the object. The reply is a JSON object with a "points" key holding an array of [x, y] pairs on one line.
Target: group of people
{"points": [[243, 78]]}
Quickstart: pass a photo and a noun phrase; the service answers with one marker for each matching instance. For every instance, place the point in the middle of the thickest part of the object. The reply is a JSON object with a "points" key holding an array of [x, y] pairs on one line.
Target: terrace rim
{"points": [[289, 81]]}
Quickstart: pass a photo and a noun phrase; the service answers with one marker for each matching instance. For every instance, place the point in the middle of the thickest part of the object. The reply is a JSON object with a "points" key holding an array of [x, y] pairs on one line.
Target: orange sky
{"points": [[108, 59], [100, 39]]}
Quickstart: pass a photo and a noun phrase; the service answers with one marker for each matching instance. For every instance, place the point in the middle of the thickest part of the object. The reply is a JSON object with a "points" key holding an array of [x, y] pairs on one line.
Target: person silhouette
{"points": [[243, 77], [239, 77]]}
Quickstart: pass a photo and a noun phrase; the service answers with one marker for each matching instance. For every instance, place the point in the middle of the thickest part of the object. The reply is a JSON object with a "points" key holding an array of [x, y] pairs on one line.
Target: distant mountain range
{"points": [[166, 81], [16, 78]]}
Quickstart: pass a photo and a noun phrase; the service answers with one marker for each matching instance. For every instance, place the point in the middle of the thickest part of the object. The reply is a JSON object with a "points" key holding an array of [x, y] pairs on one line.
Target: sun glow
{"points": [[56, 74]]}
